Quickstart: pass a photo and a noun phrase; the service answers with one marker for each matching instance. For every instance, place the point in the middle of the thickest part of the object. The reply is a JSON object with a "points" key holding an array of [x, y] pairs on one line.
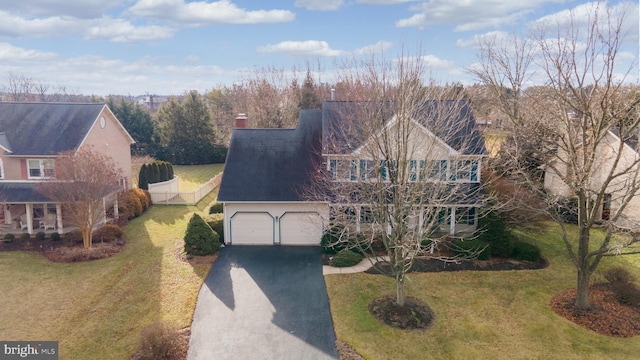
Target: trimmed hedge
{"points": [[199, 238], [525, 251], [107, 233], [345, 258], [494, 232], [216, 208], [471, 248], [218, 226]]}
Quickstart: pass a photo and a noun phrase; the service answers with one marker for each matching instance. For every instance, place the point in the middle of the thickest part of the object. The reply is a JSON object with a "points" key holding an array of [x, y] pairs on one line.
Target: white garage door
{"points": [[251, 228], [300, 228]]}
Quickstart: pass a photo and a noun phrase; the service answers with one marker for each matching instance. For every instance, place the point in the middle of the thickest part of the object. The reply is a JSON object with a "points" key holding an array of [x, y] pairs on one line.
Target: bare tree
{"points": [[83, 179], [21, 88], [579, 122], [402, 162]]}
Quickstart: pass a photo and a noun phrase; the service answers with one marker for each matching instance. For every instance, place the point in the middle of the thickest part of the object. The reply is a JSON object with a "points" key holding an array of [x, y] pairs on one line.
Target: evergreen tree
{"points": [[143, 177]]}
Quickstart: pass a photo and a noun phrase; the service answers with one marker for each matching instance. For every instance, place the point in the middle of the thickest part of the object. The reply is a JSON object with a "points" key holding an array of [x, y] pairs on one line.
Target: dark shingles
{"points": [[46, 128], [271, 164], [20, 192], [450, 120]]}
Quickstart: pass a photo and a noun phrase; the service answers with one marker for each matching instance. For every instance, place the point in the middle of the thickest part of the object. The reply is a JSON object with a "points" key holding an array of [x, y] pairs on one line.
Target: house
{"points": [[31, 137], [268, 171], [620, 187]]}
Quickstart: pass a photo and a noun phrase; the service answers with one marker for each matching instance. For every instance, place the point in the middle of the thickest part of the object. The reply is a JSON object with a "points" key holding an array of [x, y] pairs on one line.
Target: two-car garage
{"points": [[274, 223]]}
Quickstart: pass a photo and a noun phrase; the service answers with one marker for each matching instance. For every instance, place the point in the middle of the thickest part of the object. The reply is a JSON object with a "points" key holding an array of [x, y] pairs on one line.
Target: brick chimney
{"points": [[241, 121]]}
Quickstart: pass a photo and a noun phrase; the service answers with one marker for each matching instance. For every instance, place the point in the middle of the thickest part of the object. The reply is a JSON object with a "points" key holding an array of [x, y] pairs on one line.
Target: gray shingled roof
{"points": [[45, 128], [450, 120], [276, 164], [20, 192], [272, 164]]}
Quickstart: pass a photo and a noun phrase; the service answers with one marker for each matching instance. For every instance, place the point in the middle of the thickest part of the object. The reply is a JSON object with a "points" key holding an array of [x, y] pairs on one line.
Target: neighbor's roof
{"points": [[45, 128], [450, 120], [272, 164]]}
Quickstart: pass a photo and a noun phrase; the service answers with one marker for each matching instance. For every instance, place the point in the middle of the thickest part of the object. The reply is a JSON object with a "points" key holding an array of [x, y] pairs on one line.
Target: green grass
{"points": [[479, 315], [97, 309], [193, 176]]}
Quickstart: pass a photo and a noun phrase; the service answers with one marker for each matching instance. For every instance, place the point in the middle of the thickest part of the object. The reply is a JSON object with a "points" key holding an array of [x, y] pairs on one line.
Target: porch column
{"points": [[29, 209], [115, 208], [452, 227], [59, 219], [104, 210]]}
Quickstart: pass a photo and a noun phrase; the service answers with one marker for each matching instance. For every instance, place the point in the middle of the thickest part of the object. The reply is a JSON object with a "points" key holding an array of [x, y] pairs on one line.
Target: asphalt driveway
{"points": [[263, 302]]}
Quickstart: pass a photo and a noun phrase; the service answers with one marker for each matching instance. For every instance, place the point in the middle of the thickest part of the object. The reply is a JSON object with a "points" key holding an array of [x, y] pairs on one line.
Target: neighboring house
{"points": [[606, 156], [31, 137], [268, 171]]}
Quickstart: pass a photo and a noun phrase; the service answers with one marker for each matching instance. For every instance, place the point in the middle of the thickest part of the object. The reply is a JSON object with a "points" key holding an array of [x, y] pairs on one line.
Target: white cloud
{"points": [[202, 12], [321, 5], [12, 55], [302, 48], [435, 63], [480, 38], [125, 32], [19, 27], [383, 2], [83, 9], [378, 47], [470, 15]]}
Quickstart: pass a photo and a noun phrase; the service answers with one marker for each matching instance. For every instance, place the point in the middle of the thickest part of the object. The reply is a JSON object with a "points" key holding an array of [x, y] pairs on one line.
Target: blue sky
{"points": [[133, 47]]}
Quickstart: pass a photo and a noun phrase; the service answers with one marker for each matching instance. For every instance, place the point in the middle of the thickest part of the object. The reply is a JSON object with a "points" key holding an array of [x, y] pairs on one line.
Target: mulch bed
{"points": [[56, 251], [427, 264], [606, 316]]}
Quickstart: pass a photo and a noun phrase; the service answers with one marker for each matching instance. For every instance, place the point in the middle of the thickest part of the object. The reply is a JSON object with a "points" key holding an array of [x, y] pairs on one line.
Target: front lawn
{"points": [[478, 315], [96, 309]]}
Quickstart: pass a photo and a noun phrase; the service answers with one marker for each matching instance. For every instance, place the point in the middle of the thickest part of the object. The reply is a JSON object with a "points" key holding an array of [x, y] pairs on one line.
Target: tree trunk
{"points": [[582, 293], [86, 238], [584, 275], [400, 294]]}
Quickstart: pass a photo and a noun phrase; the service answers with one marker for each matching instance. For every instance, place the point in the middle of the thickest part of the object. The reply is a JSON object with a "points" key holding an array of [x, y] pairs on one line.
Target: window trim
{"points": [[41, 169]]}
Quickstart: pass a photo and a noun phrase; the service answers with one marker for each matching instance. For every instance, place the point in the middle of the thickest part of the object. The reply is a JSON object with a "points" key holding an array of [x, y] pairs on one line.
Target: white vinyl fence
{"points": [[166, 193]]}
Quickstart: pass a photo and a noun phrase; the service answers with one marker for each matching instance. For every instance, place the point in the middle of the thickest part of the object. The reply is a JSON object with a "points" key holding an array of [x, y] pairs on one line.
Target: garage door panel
{"points": [[252, 228], [300, 228]]}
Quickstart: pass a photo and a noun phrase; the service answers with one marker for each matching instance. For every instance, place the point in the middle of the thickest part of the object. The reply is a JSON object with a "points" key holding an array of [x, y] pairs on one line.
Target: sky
{"points": [[167, 47]]}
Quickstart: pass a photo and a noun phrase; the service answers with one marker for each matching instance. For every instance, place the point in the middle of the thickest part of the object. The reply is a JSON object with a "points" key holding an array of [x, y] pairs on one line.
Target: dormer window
{"points": [[40, 168]]}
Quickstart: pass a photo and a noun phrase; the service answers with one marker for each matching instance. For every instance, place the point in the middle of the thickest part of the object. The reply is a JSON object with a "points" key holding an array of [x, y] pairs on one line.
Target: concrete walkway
{"points": [[362, 266]]}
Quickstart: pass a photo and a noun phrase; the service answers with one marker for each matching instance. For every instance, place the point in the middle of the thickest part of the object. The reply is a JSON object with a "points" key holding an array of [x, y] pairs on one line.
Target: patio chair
{"points": [[23, 223], [49, 222]]}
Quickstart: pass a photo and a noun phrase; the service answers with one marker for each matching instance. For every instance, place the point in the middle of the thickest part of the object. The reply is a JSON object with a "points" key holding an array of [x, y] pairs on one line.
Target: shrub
{"points": [[358, 243], [471, 248], [143, 177], [618, 274], [626, 293], [40, 236], [159, 341], [345, 258], [107, 233], [9, 238], [525, 252], [495, 233], [133, 206], [145, 200], [567, 210], [330, 241], [55, 236], [216, 208], [199, 238], [72, 238], [25, 237], [218, 226]]}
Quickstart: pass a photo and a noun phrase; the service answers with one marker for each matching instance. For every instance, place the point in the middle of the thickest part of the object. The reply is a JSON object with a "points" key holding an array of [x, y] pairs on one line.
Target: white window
{"points": [[40, 168], [1, 170]]}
